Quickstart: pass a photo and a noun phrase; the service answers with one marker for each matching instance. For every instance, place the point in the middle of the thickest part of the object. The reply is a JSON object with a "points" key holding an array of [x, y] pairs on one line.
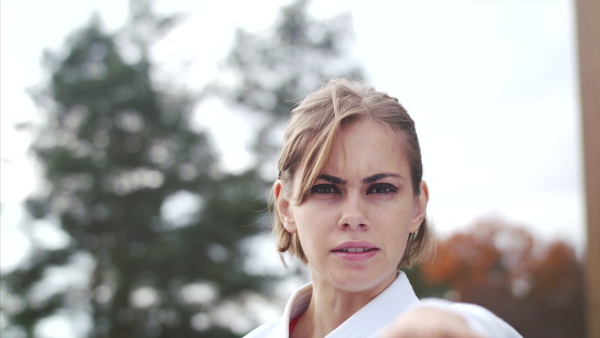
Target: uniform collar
{"points": [[378, 313]]}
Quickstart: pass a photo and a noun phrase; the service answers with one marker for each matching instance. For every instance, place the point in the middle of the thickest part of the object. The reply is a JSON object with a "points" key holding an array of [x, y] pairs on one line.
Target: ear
{"points": [[420, 207], [283, 205]]}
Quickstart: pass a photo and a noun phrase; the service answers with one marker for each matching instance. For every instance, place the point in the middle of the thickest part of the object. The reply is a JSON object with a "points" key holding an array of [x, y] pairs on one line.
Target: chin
{"points": [[359, 281]]}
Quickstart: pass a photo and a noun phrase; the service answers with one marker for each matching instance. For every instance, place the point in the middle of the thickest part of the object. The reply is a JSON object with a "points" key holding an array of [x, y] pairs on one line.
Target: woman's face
{"points": [[355, 223]]}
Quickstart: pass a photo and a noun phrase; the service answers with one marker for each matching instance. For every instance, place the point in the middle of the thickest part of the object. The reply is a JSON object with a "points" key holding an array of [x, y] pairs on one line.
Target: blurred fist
{"points": [[429, 322]]}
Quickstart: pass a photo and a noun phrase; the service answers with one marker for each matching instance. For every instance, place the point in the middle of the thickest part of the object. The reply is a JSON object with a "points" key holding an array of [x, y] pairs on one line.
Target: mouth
{"points": [[355, 250]]}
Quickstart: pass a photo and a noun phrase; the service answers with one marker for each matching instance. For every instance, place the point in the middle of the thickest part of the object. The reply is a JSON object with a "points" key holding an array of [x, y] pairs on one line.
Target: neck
{"points": [[330, 306]]}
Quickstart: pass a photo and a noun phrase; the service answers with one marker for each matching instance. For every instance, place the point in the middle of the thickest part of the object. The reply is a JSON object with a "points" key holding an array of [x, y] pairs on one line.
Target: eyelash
{"points": [[389, 189], [316, 188]]}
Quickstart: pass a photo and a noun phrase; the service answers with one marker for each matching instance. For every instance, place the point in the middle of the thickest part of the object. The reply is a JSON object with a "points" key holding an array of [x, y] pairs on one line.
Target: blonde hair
{"points": [[309, 137]]}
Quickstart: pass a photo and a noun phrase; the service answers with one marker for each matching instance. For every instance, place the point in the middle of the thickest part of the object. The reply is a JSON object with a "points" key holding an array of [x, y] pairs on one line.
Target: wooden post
{"points": [[588, 28]]}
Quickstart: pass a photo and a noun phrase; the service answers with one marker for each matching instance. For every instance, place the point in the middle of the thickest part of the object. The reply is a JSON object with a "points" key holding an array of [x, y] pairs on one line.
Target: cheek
{"points": [[396, 220], [398, 209], [313, 222], [394, 230]]}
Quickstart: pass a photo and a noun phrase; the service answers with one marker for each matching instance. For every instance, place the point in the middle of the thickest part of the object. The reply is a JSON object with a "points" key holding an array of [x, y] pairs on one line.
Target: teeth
{"points": [[353, 250]]}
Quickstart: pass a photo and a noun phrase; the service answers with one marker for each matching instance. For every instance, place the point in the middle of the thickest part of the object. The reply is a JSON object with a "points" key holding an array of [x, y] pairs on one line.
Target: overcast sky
{"points": [[492, 86]]}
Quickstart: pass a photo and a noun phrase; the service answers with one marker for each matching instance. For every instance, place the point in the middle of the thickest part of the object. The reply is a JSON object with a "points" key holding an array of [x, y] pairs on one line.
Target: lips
{"points": [[355, 251], [355, 247]]}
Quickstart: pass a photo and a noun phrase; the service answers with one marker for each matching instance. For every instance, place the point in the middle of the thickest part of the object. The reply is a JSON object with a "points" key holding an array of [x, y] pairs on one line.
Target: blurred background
{"points": [[139, 141]]}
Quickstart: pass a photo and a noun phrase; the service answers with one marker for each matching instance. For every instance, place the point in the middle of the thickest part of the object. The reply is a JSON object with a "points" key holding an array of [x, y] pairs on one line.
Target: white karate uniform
{"points": [[397, 299]]}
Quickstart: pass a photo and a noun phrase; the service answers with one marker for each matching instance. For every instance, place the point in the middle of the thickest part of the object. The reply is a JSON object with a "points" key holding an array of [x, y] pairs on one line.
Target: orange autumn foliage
{"points": [[505, 269], [489, 251]]}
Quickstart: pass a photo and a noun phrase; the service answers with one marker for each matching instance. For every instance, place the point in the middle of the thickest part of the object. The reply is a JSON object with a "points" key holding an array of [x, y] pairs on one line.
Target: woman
{"points": [[350, 203]]}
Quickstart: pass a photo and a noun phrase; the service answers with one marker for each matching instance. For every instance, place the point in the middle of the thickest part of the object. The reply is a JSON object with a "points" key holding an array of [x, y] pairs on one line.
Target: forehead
{"points": [[367, 147]]}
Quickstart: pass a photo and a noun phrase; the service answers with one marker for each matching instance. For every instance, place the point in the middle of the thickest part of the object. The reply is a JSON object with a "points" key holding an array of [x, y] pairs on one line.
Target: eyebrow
{"points": [[332, 179], [377, 177], [370, 179]]}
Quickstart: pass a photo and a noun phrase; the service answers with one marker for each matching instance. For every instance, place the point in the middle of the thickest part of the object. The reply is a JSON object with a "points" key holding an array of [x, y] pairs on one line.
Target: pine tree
{"points": [[273, 71], [116, 147]]}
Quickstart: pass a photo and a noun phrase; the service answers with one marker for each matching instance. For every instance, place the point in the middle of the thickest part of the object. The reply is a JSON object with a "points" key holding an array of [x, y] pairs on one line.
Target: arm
{"points": [[441, 318]]}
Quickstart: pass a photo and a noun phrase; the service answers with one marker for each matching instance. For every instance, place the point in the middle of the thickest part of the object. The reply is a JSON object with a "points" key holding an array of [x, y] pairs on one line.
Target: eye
{"points": [[382, 188], [324, 189]]}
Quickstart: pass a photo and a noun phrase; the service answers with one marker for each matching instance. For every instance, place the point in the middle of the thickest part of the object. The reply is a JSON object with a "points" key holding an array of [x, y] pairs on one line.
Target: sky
{"points": [[492, 86]]}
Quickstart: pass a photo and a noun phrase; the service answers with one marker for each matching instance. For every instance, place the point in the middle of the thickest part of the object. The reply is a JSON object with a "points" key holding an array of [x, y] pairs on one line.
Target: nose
{"points": [[353, 215]]}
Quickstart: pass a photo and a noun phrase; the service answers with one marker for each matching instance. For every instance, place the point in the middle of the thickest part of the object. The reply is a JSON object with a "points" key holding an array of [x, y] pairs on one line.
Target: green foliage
{"points": [[117, 148], [274, 70], [114, 150]]}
